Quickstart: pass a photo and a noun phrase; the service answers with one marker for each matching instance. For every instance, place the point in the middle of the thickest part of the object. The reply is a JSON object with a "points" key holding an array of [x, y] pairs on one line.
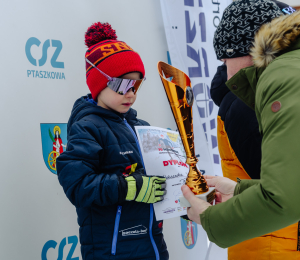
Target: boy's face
{"points": [[111, 100]]}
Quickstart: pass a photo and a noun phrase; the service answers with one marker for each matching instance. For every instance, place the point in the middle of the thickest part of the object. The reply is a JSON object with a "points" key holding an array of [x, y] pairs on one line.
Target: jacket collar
{"points": [[83, 107], [243, 84], [218, 89]]}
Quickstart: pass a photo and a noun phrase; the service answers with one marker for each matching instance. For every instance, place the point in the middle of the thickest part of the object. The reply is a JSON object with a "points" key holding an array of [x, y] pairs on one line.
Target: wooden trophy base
{"points": [[208, 196]]}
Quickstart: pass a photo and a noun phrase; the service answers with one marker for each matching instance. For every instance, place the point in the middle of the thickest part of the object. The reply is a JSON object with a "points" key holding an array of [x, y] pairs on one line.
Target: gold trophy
{"points": [[181, 98]]}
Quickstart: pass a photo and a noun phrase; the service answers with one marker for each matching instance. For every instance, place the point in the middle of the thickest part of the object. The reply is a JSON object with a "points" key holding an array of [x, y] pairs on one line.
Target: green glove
{"points": [[142, 188]]}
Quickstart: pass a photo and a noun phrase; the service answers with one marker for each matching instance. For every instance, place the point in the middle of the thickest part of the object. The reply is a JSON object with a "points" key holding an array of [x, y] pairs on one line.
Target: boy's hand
{"points": [[142, 188], [150, 189]]}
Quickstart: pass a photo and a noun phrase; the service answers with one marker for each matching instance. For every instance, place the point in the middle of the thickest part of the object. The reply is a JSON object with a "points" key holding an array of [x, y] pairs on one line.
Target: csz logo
{"points": [[41, 62], [56, 47], [51, 244]]}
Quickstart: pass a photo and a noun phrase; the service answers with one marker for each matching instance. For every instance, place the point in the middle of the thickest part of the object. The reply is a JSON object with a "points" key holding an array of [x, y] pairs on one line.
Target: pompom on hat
{"points": [[115, 58]]}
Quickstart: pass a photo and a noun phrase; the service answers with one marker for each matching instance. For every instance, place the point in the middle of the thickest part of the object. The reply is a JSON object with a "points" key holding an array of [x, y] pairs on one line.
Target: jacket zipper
{"points": [[150, 233], [151, 205], [116, 231]]}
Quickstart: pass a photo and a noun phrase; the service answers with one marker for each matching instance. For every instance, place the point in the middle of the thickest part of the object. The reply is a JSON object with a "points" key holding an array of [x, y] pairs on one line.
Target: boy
{"points": [[102, 171]]}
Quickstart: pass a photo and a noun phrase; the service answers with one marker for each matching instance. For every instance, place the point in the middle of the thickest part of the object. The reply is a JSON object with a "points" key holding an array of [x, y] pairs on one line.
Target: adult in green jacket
{"points": [[268, 80]]}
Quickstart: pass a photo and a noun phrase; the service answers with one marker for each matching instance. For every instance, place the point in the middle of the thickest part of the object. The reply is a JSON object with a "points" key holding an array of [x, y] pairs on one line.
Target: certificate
{"points": [[164, 155]]}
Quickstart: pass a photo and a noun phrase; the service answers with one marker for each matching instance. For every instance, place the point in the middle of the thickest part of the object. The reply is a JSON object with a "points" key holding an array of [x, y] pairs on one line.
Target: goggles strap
{"points": [[105, 75]]}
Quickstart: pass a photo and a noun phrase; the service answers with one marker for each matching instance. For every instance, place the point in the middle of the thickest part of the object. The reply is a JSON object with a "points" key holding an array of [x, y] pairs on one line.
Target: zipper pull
{"points": [[119, 209]]}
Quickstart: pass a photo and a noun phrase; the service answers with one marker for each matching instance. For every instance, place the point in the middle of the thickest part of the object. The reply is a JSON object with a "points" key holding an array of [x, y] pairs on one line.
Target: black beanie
{"points": [[240, 21]]}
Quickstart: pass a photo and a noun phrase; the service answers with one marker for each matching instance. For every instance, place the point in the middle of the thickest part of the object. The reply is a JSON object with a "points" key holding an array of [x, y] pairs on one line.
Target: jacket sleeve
{"points": [[78, 169], [243, 185], [273, 202]]}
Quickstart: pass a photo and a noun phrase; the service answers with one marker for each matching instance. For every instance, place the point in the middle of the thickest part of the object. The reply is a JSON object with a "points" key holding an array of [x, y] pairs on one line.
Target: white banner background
{"points": [[35, 214], [34, 208], [190, 27]]}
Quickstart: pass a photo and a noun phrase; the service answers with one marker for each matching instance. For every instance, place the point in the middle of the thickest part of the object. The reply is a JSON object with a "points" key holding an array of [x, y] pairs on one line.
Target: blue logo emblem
{"points": [[41, 62], [54, 142], [189, 233], [288, 10], [51, 244], [33, 73]]}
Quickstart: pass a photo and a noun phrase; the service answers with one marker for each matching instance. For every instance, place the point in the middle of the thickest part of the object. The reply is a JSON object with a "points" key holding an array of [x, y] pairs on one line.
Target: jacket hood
{"points": [[274, 38], [85, 106], [218, 88]]}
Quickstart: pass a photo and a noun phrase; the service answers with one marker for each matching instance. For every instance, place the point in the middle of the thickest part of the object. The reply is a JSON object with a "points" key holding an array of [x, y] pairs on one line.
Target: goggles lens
{"points": [[122, 86]]}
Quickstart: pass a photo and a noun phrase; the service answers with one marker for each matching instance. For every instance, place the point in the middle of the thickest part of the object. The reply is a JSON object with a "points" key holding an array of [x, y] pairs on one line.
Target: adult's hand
{"points": [[224, 187], [198, 206], [224, 191]]}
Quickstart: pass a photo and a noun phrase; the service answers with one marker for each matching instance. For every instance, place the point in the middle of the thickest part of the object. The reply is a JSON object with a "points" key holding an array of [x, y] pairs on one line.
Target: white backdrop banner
{"points": [[189, 27], [42, 74]]}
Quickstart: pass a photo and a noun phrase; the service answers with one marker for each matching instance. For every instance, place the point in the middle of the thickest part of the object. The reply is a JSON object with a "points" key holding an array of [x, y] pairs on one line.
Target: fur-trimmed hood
{"points": [[274, 37]]}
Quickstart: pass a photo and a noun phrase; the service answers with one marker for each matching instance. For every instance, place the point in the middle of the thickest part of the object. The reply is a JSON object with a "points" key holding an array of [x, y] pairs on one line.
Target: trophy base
{"points": [[208, 196]]}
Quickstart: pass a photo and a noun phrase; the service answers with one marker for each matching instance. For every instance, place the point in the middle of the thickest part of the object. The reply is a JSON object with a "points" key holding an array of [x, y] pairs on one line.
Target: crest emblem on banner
{"points": [[54, 143], [203, 99], [189, 233]]}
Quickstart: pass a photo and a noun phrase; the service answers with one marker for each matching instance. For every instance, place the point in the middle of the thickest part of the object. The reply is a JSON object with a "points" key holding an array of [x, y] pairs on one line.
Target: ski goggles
{"points": [[119, 85]]}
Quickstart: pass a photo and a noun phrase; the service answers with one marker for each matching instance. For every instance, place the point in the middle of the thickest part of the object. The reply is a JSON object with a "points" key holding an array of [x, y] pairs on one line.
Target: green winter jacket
{"points": [[273, 202]]}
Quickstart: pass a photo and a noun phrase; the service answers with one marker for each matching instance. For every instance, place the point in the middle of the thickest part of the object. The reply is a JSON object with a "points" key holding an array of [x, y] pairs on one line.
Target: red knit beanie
{"points": [[113, 57]]}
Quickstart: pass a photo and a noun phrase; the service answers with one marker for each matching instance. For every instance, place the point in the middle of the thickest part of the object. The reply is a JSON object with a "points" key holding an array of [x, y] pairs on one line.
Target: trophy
{"points": [[181, 98]]}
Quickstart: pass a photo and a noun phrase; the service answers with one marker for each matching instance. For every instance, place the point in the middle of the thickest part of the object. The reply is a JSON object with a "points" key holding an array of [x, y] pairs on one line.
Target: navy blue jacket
{"points": [[240, 124], [101, 144]]}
